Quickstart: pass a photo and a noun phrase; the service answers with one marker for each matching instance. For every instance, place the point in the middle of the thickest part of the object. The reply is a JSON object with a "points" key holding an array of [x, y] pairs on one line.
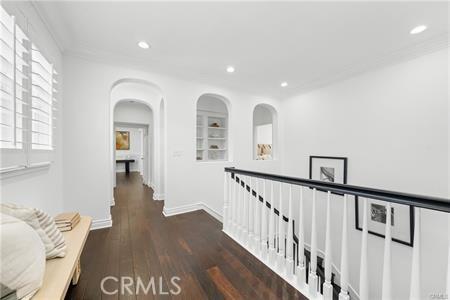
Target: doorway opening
{"points": [[133, 124], [137, 134]]}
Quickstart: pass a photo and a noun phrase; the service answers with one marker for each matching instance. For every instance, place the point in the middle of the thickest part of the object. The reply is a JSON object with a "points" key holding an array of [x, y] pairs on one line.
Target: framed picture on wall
{"points": [[328, 168], [402, 220], [122, 140]]}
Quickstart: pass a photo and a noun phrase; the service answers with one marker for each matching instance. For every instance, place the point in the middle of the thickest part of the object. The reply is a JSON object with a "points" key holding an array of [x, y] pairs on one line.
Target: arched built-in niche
{"points": [[264, 132], [150, 94], [212, 127]]}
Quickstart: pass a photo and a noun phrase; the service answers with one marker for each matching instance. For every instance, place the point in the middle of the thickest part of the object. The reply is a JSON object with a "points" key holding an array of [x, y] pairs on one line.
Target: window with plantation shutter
{"points": [[41, 101], [27, 89]]}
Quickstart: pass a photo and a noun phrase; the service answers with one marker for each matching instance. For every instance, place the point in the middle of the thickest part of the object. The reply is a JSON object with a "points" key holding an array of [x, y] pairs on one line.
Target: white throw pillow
{"points": [[44, 225], [22, 258]]}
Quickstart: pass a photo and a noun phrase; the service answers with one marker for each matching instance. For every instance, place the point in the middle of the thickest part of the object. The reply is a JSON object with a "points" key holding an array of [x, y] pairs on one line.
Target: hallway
{"points": [[142, 243]]}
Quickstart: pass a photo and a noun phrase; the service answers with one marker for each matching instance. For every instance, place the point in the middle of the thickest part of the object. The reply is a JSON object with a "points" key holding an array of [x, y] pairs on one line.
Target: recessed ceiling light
{"points": [[230, 69], [418, 29], [143, 45], [284, 84]]}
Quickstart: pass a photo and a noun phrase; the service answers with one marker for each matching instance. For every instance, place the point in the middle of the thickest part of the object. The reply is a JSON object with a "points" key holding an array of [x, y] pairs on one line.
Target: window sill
{"points": [[21, 170]]}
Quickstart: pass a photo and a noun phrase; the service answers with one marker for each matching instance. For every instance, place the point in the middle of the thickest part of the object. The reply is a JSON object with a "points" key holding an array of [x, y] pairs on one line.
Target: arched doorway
{"points": [[149, 94]]}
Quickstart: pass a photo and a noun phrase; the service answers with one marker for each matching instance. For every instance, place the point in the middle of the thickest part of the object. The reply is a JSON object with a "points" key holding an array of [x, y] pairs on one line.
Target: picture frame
{"points": [[122, 140], [402, 220], [329, 169]]}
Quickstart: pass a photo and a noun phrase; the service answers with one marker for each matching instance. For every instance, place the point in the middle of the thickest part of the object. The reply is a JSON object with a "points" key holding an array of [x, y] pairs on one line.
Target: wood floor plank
{"points": [[224, 285], [144, 245]]}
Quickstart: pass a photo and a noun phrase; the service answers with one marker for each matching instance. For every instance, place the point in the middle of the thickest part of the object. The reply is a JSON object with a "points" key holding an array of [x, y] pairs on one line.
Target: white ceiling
{"points": [[307, 44]]}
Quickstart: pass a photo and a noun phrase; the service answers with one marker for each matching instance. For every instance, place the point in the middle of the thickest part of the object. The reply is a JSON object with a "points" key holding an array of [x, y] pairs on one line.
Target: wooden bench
{"points": [[60, 272]]}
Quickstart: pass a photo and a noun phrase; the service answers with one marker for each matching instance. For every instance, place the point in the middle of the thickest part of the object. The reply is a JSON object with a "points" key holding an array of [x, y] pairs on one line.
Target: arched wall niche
{"points": [[265, 132], [150, 94], [212, 128]]}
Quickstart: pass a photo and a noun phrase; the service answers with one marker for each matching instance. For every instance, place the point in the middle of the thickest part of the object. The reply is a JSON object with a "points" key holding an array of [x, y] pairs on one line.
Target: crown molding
{"points": [[110, 59], [44, 19], [429, 46]]}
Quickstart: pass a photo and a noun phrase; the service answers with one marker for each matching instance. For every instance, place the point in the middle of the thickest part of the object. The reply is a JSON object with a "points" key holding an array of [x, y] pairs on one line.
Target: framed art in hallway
{"points": [[402, 219], [122, 140], [328, 168]]}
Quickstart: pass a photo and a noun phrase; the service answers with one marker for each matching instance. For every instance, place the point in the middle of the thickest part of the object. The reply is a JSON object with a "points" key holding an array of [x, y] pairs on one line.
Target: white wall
{"points": [[87, 95], [392, 124], [43, 188]]}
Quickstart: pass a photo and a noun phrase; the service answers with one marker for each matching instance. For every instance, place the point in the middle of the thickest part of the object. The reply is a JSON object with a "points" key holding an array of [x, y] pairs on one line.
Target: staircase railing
{"points": [[262, 221]]}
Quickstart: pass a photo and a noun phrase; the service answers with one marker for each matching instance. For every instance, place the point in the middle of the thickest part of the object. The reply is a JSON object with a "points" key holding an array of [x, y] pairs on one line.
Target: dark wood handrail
{"points": [[433, 203]]}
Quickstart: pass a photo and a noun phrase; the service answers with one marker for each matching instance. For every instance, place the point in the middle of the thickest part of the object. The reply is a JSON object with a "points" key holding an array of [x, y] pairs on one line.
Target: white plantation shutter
{"points": [[41, 101], [27, 92], [13, 92]]}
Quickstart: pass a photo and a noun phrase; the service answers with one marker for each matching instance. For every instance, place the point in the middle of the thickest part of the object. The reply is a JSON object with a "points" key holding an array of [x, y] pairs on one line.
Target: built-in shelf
{"points": [[211, 131], [218, 128]]}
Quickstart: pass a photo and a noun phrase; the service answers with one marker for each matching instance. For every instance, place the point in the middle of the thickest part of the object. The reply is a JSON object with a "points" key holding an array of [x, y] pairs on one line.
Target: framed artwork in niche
{"points": [[122, 140], [402, 219], [328, 168]]}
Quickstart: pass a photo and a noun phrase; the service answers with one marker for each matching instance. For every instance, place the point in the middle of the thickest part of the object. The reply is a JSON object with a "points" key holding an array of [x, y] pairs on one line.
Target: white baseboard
{"points": [[123, 171], [102, 223], [113, 202], [158, 197], [168, 212]]}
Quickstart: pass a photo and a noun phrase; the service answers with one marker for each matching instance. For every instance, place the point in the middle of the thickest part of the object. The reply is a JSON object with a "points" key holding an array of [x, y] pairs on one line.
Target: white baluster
{"points": [[250, 215], [448, 260], [312, 278], [241, 209], [386, 292], [290, 264], [225, 202], [281, 234], [245, 212], [363, 273], [264, 223], [233, 205], [301, 269], [343, 295], [230, 207], [236, 215], [327, 287], [256, 211], [271, 227], [415, 289]]}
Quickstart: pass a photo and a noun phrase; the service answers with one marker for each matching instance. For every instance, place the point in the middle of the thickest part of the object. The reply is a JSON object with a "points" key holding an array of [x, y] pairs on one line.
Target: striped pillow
{"points": [[43, 224]]}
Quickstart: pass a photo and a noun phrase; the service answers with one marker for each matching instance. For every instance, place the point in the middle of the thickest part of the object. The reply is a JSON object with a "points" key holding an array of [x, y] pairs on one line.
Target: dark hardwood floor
{"points": [[144, 245]]}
